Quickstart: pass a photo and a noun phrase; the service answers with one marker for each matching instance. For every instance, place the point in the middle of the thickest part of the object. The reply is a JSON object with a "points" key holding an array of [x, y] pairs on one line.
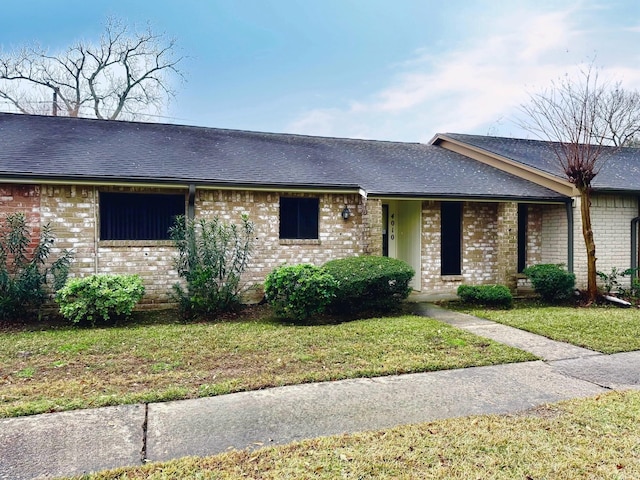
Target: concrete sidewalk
{"points": [[69, 443]]}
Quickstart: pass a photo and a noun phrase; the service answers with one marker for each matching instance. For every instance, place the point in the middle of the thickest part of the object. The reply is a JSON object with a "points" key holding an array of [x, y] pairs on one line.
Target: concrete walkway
{"points": [[76, 442]]}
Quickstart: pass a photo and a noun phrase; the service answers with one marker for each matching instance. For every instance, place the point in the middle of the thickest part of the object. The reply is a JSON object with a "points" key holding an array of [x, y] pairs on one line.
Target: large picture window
{"points": [[299, 217], [451, 238], [138, 216]]}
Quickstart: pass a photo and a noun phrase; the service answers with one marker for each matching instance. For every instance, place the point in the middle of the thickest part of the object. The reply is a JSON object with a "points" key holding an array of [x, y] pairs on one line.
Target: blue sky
{"points": [[384, 69]]}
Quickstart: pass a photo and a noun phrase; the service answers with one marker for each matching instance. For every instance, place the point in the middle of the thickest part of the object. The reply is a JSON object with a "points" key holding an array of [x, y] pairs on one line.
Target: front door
{"points": [[401, 234]]}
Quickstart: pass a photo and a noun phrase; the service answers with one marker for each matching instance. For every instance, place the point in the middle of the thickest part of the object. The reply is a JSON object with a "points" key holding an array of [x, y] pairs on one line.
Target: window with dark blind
{"points": [[451, 238], [299, 218], [138, 216], [522, 236]]}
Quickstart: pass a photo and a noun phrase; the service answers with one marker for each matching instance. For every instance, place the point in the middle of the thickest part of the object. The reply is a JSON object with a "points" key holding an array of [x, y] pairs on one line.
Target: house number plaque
{"points": [[393, 223]]}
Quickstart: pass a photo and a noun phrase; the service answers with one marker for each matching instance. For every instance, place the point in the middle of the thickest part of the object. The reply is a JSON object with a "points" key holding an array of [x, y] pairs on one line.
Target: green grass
{"points": [[69, 368], [604, 329], [589, 438]]}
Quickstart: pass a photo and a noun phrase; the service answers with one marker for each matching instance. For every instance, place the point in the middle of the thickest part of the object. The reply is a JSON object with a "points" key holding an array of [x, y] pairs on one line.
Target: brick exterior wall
{"points": [[479, 243], [24, 199], [507, 244], [554, 234], [489, 230], [489, 246], [338, 237], [534, 234]]}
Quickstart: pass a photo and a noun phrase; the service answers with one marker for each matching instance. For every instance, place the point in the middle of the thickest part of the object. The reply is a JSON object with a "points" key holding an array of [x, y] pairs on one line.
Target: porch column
{"points": [[371, 210], [507, 244]]}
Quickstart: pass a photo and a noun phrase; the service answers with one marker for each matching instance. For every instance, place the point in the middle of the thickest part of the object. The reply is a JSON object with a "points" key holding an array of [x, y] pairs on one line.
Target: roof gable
{"points": [[620, 169]]}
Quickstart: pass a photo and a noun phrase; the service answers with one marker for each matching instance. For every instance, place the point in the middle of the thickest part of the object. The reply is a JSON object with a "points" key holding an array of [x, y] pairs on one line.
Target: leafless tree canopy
{"points": [[584, 118], [586, 121], [124, 76]]}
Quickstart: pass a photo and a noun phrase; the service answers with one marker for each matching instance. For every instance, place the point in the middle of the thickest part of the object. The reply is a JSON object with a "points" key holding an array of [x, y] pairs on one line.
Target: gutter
{"points": [[182, 183]]}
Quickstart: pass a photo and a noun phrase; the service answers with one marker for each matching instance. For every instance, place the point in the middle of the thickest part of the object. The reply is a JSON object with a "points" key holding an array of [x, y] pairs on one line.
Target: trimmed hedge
{"points": [[551, 281], [369, 283], [99, 297], [489, 295], [298, 291]]}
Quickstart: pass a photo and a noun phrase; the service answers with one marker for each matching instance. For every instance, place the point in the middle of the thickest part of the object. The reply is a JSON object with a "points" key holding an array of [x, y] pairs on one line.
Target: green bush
{"points": [[489, 295], [369, 283], [99, 297], [551, 281], [297, 292], [212, 256], [25, 267]]}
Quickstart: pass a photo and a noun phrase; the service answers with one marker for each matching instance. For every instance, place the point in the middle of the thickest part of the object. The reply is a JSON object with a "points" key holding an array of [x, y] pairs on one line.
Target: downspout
{"points": [[634, 248], [569, 207], [191, 206], [96, 243]]}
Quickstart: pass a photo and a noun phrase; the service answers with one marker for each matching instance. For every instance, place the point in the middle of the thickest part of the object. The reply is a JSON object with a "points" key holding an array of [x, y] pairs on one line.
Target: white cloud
{"points": [[475, 87]]}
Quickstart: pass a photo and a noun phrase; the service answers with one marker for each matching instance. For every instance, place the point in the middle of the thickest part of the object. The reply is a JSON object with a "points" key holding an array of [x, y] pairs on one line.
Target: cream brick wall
{"points": [[611, 217], [73, 212], [70, 210], [338, 238]]}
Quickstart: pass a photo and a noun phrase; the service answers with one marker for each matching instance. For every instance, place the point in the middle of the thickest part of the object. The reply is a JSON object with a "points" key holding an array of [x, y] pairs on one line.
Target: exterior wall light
{"points": [[346, 213]]}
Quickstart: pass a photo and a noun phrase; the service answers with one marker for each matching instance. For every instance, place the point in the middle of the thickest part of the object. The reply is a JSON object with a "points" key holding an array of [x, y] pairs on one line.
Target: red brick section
{"points": [[22, 199]]}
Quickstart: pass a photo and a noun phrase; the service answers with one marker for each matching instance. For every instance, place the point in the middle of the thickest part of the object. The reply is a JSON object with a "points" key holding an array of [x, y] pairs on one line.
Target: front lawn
{"points": [[604, 329], [67, 368], [589, 438]]}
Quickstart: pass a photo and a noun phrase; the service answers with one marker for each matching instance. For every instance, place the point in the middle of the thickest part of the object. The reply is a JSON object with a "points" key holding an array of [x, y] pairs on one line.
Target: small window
{"points": [[138, 216], [299, 218], [451, 238]]}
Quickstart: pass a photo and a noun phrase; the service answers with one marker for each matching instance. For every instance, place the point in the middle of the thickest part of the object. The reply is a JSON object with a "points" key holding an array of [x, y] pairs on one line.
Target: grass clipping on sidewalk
{"points": [[591, 438]]}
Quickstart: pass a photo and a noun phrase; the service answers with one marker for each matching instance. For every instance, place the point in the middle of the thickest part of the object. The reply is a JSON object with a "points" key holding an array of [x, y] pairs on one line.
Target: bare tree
{"points": [[586, 121], [123, 76]]}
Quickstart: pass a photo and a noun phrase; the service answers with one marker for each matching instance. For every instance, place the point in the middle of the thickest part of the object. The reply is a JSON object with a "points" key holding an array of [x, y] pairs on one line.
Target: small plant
{"points": [[212, 256], [369, 283], [299, 291], [610, 281], [25, 267], [99, 297], [611, 284], [551, 281], [489, 295]]}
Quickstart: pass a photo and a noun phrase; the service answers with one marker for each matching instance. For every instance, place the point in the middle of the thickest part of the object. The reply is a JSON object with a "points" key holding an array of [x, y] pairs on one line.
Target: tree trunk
{"points": [[587, 233]]}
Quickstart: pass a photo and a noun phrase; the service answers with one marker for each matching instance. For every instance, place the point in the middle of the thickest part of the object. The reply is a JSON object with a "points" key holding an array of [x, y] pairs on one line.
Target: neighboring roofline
{"points": [[534, 175]]}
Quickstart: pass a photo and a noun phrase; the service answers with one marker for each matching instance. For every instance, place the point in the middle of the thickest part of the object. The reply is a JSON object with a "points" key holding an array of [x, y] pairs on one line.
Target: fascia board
{"points": [[505, 164]]}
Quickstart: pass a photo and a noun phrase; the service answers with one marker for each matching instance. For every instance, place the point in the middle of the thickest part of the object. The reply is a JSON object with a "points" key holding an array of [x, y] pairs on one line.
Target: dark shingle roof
{"points": [[98, 150], [620, 167]]}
